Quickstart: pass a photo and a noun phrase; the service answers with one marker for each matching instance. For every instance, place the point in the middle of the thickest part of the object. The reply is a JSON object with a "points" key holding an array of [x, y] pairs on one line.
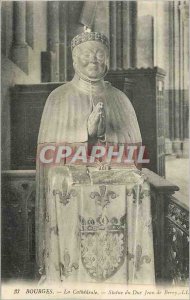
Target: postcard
{"points": [[95, 149]]}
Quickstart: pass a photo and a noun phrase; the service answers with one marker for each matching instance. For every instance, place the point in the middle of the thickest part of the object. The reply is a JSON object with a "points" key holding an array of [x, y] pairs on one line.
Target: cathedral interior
{"points": [[148, 62]]}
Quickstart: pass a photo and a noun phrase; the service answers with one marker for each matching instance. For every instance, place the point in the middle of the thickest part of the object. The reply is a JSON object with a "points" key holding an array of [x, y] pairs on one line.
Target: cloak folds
{"points": [[68, 107]]}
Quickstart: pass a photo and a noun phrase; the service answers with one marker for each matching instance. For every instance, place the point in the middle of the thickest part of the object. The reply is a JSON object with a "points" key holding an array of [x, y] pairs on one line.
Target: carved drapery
{"points": [[98, 244], [170, 227], [144, 87]]}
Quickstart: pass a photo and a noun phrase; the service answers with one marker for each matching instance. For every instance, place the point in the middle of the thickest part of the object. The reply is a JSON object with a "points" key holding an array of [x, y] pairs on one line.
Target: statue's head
{"points": [[90, 52]]}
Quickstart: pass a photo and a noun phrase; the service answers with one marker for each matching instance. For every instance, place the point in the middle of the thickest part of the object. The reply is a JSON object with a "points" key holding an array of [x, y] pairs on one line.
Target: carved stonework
{"points": [[170, 228], [178, 244], [139, 259], [102, 246], [68, 267], [103, 198], [64, 197], [18, 225], [178, 216]]}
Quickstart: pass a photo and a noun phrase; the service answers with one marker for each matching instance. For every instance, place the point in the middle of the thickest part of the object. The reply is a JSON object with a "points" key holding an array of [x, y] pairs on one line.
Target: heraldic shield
{"points": [[103, 234], [97, 230]]}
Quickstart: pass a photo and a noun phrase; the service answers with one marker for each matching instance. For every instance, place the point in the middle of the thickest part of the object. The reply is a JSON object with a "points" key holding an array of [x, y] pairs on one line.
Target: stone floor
{"points": [[177, 172]]}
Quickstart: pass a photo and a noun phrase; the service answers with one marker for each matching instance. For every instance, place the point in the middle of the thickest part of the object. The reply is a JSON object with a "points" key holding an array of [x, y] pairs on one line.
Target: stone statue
{"points": [[79, 207], [88, 108]]}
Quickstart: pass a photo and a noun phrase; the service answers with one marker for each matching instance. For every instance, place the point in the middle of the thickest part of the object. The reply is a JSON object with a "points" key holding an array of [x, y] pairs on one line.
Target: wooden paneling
{"points": [[145, 88], [18, 221], [26, 110]]}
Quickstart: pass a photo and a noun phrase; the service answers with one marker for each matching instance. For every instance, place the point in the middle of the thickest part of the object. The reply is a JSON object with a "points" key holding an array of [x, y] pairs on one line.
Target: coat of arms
{"points": [[103, 240]]}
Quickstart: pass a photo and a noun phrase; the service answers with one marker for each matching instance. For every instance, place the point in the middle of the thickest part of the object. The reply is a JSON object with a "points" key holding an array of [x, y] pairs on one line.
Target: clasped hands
{"points": [[96, 121]]}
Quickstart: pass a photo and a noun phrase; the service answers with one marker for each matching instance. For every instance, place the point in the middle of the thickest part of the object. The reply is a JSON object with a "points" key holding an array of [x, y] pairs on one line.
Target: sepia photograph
{"points": [[95, 149]]}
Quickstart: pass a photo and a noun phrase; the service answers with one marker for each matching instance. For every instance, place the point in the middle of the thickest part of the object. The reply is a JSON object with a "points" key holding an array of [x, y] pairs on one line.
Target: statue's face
{"points": [[90, 58]]}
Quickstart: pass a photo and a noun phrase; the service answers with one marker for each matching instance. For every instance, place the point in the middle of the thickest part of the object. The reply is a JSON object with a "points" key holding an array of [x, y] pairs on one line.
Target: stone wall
{"points": [[162, 41], [14, 72]]}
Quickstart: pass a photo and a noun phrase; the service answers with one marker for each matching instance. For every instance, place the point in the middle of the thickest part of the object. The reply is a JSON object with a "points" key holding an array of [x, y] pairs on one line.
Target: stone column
{"points": [[19, 53], [29, 23], [184, 8], [53, 25], [126, 35], [145, 42], [50, 58], [123, 34], [19, 9], [181, 72], [119, 35], [171, 71], [63, 41], [133, 20], [186, 75], [176, 142], [113, 35], [53, 37]]}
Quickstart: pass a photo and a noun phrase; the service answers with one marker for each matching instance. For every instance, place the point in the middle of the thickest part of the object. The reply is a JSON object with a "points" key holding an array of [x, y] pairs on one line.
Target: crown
{"points": [[102, 223], [89, 36]]}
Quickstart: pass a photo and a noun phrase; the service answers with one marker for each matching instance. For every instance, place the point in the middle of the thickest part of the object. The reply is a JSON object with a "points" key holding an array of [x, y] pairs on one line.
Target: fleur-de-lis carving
{"points": [[103, 198], [138, 258], [64, 195], [139, 193], [130, 256], [54, 229], [67, 267]]}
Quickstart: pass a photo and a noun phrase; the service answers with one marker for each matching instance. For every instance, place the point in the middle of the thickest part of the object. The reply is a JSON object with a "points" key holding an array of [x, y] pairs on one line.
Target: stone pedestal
{"points": [[185, 151], [177, 145], [168, 147]]}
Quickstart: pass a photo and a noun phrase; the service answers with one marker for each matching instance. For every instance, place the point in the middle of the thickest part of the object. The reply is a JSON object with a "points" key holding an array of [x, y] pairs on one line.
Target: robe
{"points": [[68, 107], [64, 120]]}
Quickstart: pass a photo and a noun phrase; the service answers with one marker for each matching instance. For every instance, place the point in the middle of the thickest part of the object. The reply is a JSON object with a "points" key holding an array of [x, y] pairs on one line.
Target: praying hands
{"points": [[96, 121]]}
